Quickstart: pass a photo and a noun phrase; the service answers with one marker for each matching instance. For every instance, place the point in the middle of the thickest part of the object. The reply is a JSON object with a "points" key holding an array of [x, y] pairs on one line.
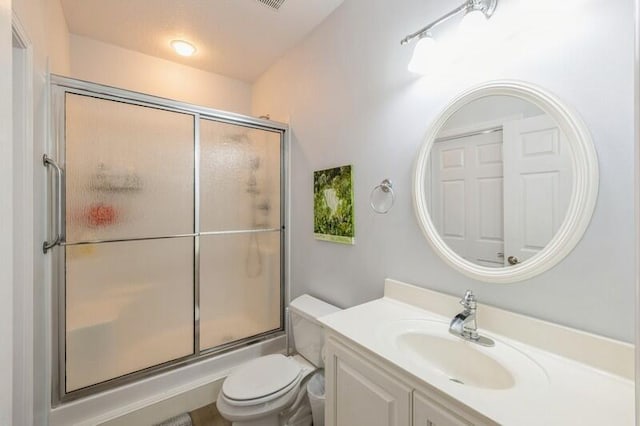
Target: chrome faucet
{"points": [[464, 324]]}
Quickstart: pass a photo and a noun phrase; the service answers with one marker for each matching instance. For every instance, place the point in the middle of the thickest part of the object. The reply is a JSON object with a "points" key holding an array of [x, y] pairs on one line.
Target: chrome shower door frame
{"points": [[59, 87]]}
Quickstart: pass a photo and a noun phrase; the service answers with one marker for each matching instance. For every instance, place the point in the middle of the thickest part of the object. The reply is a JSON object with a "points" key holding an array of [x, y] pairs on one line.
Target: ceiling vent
{"points": [[272, 4]]}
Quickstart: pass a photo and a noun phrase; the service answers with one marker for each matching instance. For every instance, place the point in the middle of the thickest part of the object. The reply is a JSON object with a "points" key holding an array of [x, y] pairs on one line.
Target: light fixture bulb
{"points": [[423, 54], [183, 48], [474, 22]]}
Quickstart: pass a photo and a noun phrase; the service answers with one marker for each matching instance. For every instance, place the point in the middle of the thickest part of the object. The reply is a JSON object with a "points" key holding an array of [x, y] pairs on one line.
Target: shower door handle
{"points": [[57, 239]]}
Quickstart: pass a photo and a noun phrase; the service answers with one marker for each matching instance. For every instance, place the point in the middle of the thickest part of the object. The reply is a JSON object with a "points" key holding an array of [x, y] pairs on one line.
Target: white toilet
{"points": [[270, 391]]}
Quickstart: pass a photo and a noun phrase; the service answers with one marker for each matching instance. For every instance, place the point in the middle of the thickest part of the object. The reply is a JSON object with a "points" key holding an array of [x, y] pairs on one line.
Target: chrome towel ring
{"points": [[382, 197]]}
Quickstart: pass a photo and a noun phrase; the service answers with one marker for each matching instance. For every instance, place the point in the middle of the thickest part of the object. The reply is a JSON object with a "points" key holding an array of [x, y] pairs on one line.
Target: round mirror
{"points": [[505, 182]]}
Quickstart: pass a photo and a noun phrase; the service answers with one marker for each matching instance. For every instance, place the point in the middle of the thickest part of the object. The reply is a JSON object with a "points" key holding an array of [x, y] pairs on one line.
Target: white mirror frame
{"points": [[584, 186]]}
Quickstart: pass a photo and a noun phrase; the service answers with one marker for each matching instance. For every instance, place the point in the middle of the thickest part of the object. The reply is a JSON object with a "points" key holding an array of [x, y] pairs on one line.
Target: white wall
{"points": [[349, 98], [6, 219], [45, 28], [112, 65], [636, 98]]}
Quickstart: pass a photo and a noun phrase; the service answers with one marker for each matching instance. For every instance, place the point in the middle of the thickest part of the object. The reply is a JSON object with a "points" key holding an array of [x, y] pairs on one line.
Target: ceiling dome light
{"points": [[423, 55], [183, 48]]}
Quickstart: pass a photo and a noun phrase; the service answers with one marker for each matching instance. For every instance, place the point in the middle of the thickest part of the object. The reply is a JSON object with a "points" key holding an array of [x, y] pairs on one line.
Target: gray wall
{"points": [[350, 100]]}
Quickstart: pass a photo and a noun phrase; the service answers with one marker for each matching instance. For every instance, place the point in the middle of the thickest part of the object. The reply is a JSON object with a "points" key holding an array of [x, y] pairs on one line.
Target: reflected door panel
{"points": [[467, 196], [537, 184], [129, 306]]}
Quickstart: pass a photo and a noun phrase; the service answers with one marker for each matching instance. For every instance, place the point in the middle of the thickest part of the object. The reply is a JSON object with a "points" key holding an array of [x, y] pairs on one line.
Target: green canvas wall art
{"points": [[333, 217]]}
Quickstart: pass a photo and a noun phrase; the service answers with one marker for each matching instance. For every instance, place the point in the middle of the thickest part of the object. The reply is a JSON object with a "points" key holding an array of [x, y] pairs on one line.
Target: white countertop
{"points": [[572, 393]]}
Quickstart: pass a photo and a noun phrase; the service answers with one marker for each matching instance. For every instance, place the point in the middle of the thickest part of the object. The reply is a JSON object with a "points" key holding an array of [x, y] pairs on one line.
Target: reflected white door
{"points": [[467, 196], [537, 184]]}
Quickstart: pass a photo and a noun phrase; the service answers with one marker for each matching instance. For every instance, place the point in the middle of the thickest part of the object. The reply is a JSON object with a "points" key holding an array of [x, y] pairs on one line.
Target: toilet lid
{"points": [[261, 377]]}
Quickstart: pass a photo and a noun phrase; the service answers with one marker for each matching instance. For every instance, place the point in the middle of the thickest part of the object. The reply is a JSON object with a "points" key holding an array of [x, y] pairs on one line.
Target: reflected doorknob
{"points": [[513, 260]]}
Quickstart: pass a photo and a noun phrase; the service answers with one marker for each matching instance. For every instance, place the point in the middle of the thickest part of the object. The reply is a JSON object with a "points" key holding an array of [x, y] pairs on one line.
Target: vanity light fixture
{"points": [[476, 13], [423, 53], [474, 20], [183, 48]]}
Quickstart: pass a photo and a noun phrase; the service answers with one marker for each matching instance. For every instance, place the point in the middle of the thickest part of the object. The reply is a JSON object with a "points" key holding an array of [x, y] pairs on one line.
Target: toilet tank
{"points": [[308, 334]]}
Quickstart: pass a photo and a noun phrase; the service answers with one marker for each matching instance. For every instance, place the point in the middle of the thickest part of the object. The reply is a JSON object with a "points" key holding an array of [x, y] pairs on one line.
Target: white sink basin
{"points": [[457, 359], [429, 345]]}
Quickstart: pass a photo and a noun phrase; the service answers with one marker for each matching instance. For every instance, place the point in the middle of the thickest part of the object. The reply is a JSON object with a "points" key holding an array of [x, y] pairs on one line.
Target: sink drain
{"points": [[456, 381]]}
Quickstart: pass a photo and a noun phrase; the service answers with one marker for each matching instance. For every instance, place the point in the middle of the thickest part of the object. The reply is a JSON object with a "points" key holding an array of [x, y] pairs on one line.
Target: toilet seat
{"points": [[262, 380], [237, 413]]}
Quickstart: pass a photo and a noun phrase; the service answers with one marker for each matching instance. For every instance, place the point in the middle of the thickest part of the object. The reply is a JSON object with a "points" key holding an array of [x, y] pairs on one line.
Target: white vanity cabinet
{"points": [[359, 393], [393, 361], [428, 412], [362, 391]]}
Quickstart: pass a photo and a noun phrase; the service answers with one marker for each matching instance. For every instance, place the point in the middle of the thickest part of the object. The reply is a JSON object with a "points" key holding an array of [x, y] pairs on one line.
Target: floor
{"points": [[208, 416], [203, 416]]}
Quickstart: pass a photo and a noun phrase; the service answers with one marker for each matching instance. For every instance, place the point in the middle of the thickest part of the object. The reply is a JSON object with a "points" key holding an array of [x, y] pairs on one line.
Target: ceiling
{"points": [[236, 38]]}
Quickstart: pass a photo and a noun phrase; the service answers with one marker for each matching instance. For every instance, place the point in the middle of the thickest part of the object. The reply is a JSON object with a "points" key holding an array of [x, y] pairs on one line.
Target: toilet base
{"points": [[290, 409]]}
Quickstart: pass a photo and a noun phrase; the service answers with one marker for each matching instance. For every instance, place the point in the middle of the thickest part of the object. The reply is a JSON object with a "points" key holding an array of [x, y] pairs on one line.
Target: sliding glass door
{"points": [[240, 224], [172, 234]]}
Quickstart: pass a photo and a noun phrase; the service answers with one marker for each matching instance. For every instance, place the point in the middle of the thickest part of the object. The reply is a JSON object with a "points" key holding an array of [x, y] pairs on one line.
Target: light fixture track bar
{"points": [[462, 8]]}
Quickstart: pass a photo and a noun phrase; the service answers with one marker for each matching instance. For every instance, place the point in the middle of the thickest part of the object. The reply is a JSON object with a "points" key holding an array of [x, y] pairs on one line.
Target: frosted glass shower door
{"points": [[168, 227], [129, 255], [241, 232]]}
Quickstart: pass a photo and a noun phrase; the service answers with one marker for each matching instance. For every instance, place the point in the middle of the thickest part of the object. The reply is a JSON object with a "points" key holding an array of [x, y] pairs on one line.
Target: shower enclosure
{"points": [[167, 234]]}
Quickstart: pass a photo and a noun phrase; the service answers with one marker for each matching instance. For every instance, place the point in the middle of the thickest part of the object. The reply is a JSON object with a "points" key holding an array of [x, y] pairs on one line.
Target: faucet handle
{"points": [[468, 300]]}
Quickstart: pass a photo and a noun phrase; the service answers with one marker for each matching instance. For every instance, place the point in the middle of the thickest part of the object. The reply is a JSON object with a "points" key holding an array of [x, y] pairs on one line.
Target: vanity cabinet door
{"points": [[362, 394], [428, 412]]}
